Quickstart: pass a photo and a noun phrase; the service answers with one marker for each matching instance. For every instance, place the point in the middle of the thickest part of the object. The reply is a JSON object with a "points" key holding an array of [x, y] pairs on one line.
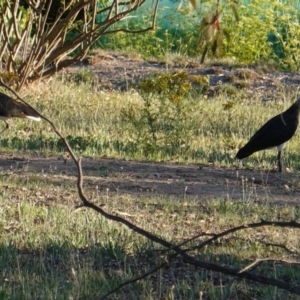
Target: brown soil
{"points": [[181, 181], [177, 181]]}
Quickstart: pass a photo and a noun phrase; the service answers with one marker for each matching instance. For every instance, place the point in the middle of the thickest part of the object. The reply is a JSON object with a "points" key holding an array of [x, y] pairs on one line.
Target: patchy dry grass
{"points": [[49, 250], [93, 124]]}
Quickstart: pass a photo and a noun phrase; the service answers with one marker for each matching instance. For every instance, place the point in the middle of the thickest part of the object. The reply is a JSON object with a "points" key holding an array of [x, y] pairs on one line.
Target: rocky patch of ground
{"points": [[117, 71]]}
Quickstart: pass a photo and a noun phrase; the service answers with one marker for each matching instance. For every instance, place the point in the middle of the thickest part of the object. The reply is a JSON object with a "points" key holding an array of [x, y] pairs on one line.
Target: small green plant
{"points": [[9, 78], [83, 75], [228, 89], [162, 124]]}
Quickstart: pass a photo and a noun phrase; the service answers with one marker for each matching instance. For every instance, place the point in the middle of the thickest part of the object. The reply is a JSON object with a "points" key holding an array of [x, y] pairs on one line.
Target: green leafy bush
{"points": [[287, 42], [169, 35]]}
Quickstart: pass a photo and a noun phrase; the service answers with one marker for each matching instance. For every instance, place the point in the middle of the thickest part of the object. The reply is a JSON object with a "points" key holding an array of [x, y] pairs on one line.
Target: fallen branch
{"points": [[281, 246], [135, 279]]}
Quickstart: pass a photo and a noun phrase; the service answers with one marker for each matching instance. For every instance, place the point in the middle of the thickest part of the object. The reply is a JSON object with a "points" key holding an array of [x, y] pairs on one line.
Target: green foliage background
{"points": [[267, 29]]}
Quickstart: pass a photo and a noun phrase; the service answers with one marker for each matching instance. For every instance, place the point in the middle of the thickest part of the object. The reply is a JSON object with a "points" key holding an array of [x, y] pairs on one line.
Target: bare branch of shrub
{"points": [[33, 46], [267, 244], [246, 275], [262, 223], [295, 251], [138, 278]]}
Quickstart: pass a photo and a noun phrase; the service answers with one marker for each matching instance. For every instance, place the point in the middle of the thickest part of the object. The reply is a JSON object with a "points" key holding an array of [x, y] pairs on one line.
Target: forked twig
{"points": [[262, 223], [137, 278], [280, 246], [258, 261]]}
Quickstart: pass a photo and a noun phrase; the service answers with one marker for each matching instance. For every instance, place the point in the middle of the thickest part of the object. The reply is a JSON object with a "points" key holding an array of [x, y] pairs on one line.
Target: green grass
{"points": [[50, 251]]}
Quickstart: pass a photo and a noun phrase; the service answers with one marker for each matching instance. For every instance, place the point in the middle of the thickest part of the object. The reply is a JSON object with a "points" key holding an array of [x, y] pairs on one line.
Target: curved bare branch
{"points": [[39, 50]]}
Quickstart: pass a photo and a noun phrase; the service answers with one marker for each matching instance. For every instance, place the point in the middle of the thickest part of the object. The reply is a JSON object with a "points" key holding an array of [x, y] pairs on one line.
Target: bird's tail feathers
{"points": [[34, 118], [29, 112]]}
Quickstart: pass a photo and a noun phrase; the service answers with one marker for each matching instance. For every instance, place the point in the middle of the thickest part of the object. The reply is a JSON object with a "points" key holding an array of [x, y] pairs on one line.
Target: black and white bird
{"points": [[10, 108], [275, 133]]}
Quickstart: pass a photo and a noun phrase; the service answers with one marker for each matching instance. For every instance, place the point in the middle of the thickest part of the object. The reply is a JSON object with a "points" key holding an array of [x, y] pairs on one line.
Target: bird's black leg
{"points": [[6, 127], [279, 162]]}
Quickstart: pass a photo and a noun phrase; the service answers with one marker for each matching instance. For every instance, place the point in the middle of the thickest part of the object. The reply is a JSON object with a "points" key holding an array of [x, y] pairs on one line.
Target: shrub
{"points": [[162, 124]]}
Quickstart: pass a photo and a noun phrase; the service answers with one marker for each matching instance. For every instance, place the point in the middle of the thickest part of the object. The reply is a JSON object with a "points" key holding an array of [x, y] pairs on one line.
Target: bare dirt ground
{"points": [[115, 71], [184, 182]]}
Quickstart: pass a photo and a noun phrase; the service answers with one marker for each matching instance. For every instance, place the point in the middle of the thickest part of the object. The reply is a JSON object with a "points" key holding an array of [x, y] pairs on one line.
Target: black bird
{"points": [[275, 133], [10, 108]]}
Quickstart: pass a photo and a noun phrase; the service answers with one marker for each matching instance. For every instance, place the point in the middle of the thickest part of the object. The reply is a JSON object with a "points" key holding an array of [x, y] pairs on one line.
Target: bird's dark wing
{"points": [[5, 105], [273, 133], [11, 108], [28, 111]]}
